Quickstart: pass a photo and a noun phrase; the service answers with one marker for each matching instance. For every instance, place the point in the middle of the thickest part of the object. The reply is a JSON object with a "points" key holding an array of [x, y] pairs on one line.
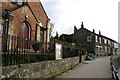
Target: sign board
{"points": [[58, 51]]}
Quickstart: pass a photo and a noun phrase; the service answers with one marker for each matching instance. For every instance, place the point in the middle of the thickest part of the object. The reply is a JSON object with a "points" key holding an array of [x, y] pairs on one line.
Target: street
{"points": [[98, 68]]}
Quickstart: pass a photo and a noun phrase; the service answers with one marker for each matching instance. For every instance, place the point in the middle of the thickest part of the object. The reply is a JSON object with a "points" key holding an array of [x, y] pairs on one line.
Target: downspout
{"points": [[46, 37]]}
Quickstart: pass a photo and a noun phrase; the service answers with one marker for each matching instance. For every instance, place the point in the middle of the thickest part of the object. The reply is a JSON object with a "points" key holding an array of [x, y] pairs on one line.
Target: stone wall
{"points": [[46, 69]]}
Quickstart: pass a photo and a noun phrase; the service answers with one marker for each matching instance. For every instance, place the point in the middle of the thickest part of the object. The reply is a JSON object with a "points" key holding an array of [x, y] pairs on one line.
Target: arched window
{"points": [[25, 33], [1, 29]]}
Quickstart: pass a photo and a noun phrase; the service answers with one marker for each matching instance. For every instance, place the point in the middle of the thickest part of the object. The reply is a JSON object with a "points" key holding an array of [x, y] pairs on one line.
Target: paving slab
{"points": [[98, 68]]}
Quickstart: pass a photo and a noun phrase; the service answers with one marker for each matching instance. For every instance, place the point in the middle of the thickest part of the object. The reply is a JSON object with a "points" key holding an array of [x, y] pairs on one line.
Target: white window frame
{"points": [[100, 39], [1, 29], [89, 38], [105, 41], [96, 38]]}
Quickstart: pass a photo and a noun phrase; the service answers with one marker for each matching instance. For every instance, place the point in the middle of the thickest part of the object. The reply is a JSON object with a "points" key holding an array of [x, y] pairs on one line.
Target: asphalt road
{"points": [[98, 68]]}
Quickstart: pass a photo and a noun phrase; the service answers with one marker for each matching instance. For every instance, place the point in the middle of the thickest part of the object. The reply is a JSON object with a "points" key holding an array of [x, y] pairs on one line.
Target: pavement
{"points": [[98, 68]]}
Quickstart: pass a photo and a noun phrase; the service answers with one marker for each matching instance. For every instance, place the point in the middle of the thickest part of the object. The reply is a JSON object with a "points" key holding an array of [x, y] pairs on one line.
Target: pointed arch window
{"points": [[25, 33], [1, 29]]}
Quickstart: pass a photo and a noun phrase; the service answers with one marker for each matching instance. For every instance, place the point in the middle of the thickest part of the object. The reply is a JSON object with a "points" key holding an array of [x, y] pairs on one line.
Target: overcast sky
{"points": [[96, 14]]}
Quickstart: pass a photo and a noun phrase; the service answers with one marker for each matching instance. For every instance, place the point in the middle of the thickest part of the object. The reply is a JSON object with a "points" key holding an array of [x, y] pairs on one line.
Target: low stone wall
{"points": [[46, 69]]}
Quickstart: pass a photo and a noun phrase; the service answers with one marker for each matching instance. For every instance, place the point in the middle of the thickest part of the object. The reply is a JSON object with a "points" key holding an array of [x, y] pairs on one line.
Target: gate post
{"points": [[80, 55]]}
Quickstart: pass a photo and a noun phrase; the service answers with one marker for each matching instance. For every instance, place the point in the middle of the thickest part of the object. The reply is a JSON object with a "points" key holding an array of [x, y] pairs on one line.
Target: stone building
{"points": [[26, 19], [92, 42]]}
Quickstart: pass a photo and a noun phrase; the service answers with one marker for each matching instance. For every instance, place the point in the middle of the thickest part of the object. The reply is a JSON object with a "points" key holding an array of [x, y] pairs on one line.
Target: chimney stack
{"points": [[82, 26], [99, 32], [75, 29], [93, 30]]}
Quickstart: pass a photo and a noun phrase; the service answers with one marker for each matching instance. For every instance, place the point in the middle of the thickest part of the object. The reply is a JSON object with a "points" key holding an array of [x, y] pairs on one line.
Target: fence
{"points": [[17, 50], [115, 65]]}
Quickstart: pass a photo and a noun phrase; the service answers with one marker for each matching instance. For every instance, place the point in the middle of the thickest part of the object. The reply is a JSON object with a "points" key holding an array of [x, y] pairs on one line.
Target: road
{"points": [[98, 68]]}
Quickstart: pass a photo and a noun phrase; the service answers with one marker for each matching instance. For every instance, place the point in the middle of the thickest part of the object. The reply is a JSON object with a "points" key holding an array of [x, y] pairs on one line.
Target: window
{"points": [[19, 2], [100, 39], [109, 42], [96, 39], [38, 33], [89, 38], [13, 0], [105, 41], [1, 29], [105, 49], [25, 33]]}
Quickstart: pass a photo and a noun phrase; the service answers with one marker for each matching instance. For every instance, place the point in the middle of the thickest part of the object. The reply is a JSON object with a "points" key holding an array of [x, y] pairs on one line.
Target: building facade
{"points": [[26, 20], [92, 42]]}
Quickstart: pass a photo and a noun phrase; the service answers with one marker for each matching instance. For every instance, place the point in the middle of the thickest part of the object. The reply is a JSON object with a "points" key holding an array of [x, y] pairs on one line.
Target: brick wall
{"points": [[19, 17], [35, 13]]}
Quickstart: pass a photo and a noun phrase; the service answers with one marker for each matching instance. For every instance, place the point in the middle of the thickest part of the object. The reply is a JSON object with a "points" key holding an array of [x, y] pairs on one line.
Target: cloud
{"points": [[97, 14]]}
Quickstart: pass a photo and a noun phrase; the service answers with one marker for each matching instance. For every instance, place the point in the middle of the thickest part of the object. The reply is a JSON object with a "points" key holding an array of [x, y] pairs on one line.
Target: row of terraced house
{"points": [[91, 42]]}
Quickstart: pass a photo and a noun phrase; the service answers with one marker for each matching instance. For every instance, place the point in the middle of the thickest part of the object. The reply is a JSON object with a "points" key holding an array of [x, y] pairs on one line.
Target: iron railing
{"points": [[115, 74], [17, 50]]}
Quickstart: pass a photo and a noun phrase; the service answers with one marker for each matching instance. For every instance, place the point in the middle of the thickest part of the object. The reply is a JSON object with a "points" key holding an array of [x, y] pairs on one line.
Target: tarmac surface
{"points": [[98, 68]]}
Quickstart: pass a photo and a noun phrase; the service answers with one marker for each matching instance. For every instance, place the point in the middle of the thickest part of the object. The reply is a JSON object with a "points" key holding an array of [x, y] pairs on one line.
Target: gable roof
{"points": [[37, 4], [39, 12], [98, 34], [6, 6]]}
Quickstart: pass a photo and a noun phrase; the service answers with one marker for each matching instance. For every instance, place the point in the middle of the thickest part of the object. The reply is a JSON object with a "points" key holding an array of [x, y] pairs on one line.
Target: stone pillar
{"points": [[80, 55]]}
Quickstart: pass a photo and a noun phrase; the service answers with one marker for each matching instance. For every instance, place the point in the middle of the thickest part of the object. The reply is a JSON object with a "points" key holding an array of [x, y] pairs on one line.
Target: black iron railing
{"points": [[115, 74], [17, 50]]}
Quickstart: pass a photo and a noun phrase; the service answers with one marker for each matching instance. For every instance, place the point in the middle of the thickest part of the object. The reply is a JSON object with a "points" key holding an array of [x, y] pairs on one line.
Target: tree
{"points": [[52, 30], [56, 37], [62, 38]]}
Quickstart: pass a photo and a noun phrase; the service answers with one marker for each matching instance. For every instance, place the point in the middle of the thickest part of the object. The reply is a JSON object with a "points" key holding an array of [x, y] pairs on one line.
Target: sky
{"points": [[95, 14]]}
